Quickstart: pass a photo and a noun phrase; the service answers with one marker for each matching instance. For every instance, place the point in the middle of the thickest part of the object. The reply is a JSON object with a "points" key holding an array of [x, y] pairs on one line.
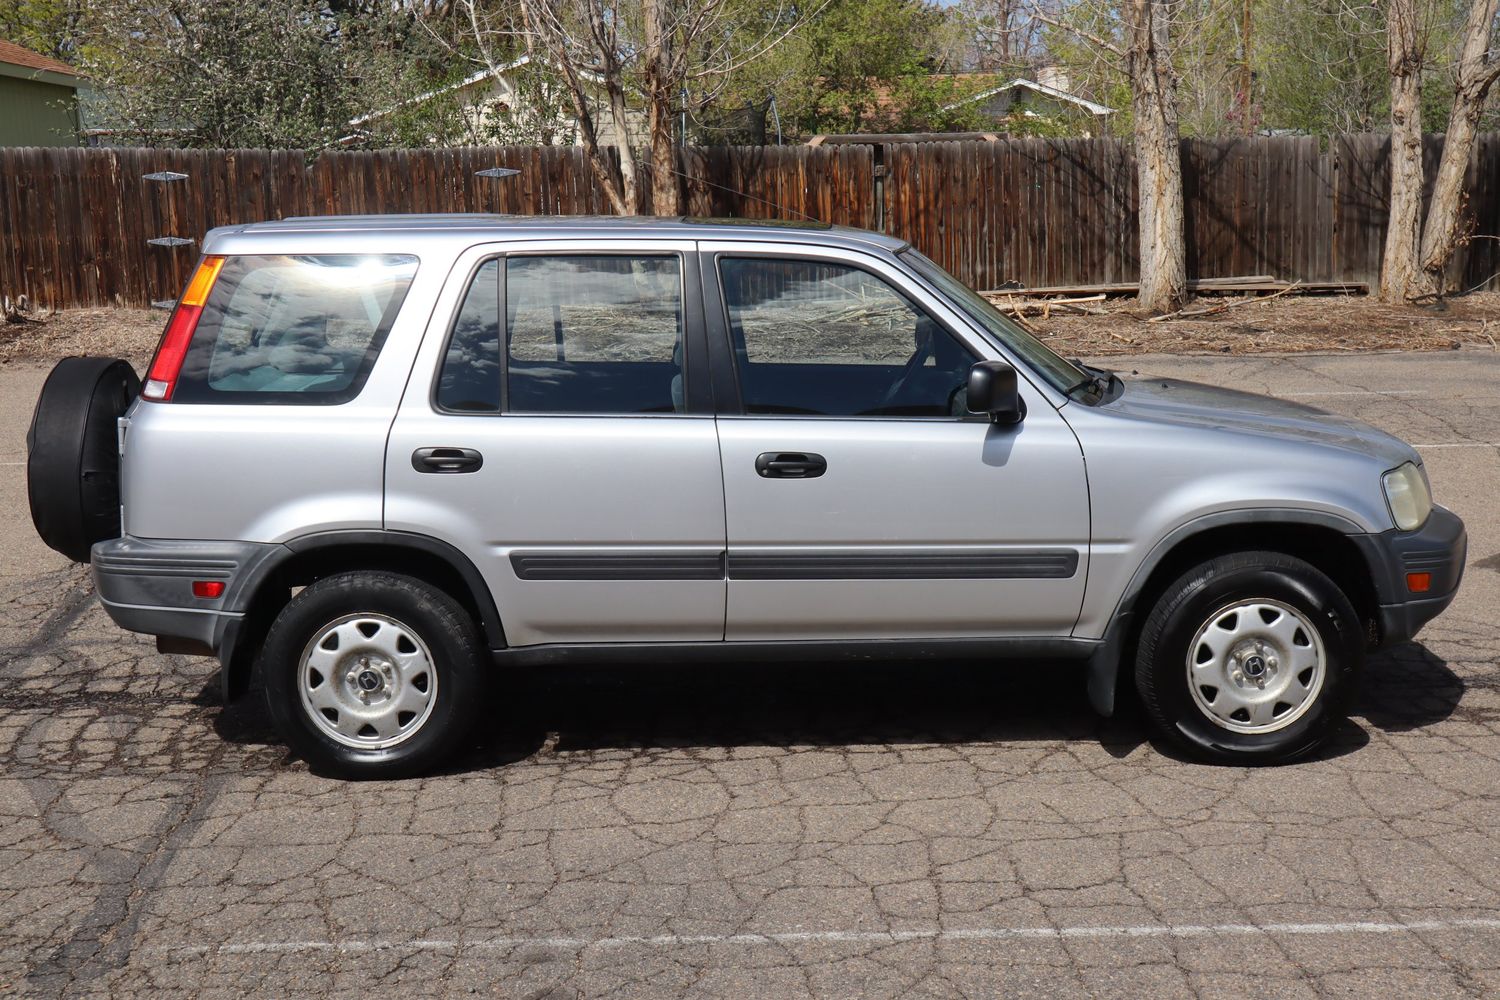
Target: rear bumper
{"points": [[145, 584], [1437, 548]]}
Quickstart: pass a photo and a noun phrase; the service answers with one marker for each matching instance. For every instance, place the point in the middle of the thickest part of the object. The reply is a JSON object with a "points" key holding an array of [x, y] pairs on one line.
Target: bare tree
{"points": [[622, 61], [1143, 51], [994, 35], [1478, 68], [1406, 50], [581, 40]]}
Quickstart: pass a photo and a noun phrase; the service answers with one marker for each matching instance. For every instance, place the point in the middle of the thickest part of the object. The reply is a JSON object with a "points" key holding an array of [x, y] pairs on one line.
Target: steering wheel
{"points": [[908, 371]]}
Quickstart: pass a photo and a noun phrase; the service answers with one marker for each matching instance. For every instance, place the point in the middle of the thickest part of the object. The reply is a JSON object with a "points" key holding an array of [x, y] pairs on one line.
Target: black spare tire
{"points": [[73, 455]]}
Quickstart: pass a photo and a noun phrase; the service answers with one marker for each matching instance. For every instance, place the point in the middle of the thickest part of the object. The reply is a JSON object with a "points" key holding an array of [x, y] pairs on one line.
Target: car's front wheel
{"points": [[1249, 658], [372, 675]]}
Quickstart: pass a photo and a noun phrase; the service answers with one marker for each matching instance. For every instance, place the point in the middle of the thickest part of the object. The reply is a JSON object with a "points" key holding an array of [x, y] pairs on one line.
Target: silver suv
{"points": [[377, 460]]}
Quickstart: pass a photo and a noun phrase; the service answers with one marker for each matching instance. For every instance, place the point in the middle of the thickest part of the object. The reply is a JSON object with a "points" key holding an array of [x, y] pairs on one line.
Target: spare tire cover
{"points": [[73, 455]]}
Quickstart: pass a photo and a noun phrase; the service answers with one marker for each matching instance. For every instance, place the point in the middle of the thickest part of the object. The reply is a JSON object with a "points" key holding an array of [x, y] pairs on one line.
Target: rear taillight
{"points": [[165, 367]]}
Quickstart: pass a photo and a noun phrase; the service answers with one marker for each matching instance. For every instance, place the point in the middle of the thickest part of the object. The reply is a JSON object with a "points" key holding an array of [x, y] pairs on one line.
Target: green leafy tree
{"points": [[219, 75], [867, 62], [51, 27], [278, 74], [1322, 70]]}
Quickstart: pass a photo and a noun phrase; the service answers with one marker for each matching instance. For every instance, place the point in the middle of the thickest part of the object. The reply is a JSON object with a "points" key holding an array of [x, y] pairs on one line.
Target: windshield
{"points": [[1060, 374]]}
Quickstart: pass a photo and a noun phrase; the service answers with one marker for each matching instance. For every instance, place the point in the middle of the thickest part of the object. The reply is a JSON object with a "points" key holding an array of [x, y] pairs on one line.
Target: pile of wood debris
{"points": [[1272, 324]]}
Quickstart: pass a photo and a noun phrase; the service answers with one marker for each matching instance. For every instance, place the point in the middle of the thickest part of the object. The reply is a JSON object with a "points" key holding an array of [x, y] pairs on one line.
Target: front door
{"points": [[861, 497], [567, 444]]}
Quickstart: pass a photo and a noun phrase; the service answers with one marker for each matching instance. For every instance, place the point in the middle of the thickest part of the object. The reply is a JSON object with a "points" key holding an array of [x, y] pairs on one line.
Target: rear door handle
{"points": [[446, 460], [790, 465]]}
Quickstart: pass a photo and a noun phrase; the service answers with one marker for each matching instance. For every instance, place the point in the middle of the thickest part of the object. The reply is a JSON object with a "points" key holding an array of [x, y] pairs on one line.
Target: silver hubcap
{"points": [[367, 681], [1256, 666]]}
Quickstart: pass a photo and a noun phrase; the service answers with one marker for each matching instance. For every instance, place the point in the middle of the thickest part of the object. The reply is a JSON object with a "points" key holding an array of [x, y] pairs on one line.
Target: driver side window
{"points": [[827, 339]]}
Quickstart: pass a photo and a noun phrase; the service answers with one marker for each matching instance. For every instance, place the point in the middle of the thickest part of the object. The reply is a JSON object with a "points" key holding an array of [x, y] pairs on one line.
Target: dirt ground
{"points": [[1290, 324], [123, 333]]}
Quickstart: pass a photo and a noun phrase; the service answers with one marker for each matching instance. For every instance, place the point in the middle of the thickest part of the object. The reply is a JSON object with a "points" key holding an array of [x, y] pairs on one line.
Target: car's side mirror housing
{"points": [[993, 391]]}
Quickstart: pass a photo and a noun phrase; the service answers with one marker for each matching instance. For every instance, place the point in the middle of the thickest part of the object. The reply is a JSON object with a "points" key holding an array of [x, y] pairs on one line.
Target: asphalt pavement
{"points": [[787, 830]]}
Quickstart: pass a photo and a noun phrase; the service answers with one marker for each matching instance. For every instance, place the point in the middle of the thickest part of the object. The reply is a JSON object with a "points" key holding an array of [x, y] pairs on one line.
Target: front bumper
{"points": [[1437, 548], [146, 585]]}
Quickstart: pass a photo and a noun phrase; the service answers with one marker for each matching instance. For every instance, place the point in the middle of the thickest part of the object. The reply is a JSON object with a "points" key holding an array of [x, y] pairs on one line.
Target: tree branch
{"points": [[1097, 41]]}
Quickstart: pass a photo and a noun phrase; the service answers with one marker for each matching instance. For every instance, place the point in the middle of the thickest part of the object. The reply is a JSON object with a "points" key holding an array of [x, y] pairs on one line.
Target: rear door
{"points": [[862, 499], [558, 430]]}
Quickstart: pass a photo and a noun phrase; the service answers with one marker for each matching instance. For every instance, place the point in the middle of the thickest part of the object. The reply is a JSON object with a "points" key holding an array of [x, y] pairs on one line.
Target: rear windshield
{"points": [[301, 329]]}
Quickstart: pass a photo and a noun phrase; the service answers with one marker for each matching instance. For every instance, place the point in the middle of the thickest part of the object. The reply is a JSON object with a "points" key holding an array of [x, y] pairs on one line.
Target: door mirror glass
{"points": [[993, 390]]}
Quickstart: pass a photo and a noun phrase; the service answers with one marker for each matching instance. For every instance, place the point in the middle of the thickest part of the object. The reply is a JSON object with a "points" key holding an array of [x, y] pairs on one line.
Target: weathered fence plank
{"points": [[74, 224]]}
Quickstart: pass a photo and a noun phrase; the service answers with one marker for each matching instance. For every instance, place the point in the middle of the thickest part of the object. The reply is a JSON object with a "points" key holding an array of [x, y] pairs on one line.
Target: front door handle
{"points": [[446, 460], [790, 465]]}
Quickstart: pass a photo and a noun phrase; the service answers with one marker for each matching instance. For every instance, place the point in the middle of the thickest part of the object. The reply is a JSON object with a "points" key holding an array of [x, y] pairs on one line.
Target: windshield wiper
{"points": [[1099, 379]]}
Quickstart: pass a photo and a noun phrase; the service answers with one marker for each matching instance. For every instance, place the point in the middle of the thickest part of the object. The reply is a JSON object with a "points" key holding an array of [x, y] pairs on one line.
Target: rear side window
{"points": [[470, 379], [595, 333], [294, 329]]}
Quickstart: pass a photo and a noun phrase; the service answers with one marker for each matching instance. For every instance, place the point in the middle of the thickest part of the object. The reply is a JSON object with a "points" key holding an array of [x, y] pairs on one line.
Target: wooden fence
{"points": [[75, 223]]}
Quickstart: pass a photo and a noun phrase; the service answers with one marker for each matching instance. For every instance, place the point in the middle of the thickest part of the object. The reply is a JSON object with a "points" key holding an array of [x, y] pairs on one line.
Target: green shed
{"points": [[38, 99]]}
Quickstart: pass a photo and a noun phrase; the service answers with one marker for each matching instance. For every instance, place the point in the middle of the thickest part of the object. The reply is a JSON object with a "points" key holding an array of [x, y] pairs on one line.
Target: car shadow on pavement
{"points": [[1407, 687], [1402, 689], [799, 703], [583, 708]]}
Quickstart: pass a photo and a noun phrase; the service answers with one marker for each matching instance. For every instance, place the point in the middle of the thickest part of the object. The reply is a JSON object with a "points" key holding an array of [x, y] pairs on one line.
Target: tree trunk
{"points": [[630, 186], [660, 85], [543, 30], [1158, 153], [665, 189], [1399, 273], [1476, 74]]}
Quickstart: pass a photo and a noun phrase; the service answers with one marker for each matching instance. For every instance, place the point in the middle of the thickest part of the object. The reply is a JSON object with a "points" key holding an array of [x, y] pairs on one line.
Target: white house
{"points": [[1045, 97]]}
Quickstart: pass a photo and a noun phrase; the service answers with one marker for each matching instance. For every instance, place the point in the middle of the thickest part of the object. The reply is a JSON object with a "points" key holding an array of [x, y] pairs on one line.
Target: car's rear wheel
{"points": [[73, 453], [373, 675], [1249, 658]]}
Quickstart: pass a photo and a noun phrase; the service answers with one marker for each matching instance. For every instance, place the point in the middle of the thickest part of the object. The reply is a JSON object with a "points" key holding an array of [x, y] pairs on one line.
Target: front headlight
{"points": [[1408, 495]]}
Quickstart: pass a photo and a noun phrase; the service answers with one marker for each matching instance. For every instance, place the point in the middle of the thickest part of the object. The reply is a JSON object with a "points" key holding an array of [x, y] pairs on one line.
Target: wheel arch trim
{"points": [[461, 564], [1104, 665], [236, 662]]}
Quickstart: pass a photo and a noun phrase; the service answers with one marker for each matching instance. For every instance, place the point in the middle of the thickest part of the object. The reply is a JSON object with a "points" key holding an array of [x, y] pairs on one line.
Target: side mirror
{"points": [[992, 390]]}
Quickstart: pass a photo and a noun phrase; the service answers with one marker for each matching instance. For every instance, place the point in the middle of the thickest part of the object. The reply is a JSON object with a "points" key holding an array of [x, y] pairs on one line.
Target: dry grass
{"points": [[117, 333], [1290, 324]]}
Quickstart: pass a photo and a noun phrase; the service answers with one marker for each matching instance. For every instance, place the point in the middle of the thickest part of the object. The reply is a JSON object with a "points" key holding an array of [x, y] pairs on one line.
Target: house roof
{"points": [[21, 61], [478, 76], [1040, 88], [457, 85]]}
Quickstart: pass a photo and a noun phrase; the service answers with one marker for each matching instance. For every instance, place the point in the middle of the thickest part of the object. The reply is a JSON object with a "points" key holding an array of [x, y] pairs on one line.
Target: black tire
{"points": [[442, 627], [1193, 602], [73, 454]]}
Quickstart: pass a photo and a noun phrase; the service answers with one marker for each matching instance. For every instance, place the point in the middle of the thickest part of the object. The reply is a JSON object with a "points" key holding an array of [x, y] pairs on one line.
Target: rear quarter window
{"points": [[294, 329]]}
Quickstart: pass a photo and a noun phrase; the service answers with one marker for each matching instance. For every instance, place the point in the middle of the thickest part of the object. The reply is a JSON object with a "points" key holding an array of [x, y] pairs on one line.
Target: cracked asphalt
{"points": [[932, 830]]}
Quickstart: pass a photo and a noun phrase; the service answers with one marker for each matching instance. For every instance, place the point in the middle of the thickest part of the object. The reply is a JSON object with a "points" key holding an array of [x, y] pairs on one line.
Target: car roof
{"points": [[486, 226]]}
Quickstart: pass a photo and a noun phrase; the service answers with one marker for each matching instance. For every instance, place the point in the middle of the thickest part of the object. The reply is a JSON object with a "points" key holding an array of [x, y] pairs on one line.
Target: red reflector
{"points": [[208, 589], [1418, 583]]}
